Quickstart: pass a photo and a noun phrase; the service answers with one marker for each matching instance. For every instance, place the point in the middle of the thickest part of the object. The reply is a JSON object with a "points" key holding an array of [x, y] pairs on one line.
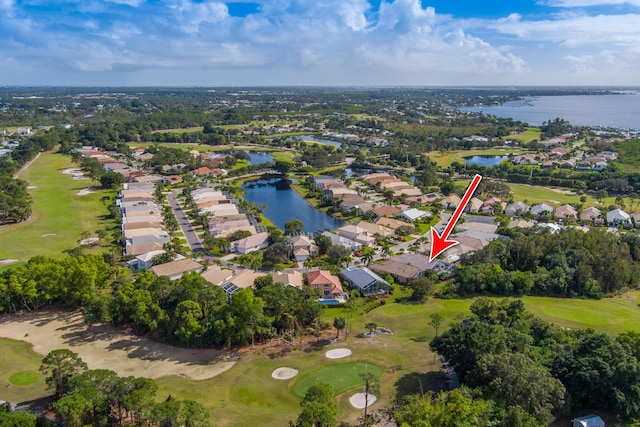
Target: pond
{"points": [[259, 157], [284, 204], [255, 157], [311, 138], [488, 161]]}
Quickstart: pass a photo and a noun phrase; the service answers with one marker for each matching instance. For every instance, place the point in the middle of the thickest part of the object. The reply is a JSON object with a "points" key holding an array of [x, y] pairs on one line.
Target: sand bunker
{"points": [[86, 191], [49, 235], [358, 400], [77, 173], [8, 261], [284, 373], [31, 187], [89, 241], [338, 353], [105, 347]]}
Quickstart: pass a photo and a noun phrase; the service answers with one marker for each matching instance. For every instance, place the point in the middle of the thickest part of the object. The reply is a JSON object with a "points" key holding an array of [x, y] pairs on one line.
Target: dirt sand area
{"points": [[338, 353], [105, 347], [358, 400]]}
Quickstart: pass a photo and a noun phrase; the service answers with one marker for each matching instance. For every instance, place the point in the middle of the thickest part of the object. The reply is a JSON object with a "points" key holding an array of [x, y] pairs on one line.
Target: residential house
{"points": [[381, 211], [424, 199], [588, 421], [591, 214], [451, 202], [474, 205], [251, 243], [618, 217], [342, 241], [400, 271], [567, 212], [392, 223], [541, 209], [203, 171], [412, 214], [583, 166], [303, 247], [291, 278], [329, 285], [636, 219], [172, 179], [356, 233], [365, 281], [521, 223], [516, 209], [374, 229], [242, 280], [216, 275], [142, 248], [145, 261], [176, 269]]}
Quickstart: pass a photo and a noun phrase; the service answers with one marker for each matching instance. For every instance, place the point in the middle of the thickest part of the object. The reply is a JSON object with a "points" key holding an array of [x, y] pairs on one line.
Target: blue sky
{"points": [[320, 42]]}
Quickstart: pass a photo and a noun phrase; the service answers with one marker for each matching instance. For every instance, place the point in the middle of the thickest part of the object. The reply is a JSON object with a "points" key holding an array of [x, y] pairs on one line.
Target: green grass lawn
{"points": [[341, 376], [448, 157], [59, 215], [19, 366], [527, 136], [537, 194], [24, 378]]}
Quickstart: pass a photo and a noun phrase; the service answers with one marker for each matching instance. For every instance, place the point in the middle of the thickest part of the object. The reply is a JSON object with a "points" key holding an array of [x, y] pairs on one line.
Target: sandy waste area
{"points": [[105, 347]]}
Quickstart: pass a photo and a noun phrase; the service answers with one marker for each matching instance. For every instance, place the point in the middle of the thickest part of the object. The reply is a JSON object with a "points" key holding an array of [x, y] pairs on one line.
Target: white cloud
{"points": [[132, 3], [588, 3], [6, 4], [190, 15]]}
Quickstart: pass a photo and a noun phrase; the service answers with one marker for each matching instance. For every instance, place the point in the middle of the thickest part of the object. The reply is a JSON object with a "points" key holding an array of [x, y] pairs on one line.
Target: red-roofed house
{"points": [[329, 285]]}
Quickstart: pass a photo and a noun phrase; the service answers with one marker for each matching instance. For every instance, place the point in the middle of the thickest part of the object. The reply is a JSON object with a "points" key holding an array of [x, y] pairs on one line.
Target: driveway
{"points": [[185, 225]]}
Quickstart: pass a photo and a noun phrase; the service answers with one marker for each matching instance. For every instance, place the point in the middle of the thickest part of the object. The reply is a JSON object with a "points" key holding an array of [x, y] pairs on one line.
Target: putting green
{"points": [[341, 376], [24, 378]]}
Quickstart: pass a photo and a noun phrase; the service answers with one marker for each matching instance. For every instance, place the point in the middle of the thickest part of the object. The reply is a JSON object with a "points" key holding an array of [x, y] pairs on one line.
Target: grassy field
{"points": [[554, 196], [444, 159], [341, 376], [181, 130], [59, 215], [19, 366], [527, 136]]}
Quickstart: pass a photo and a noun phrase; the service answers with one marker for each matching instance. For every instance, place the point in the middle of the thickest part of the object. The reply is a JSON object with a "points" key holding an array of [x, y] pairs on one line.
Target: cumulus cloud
{"points": [[311, 42], [588, 3]]}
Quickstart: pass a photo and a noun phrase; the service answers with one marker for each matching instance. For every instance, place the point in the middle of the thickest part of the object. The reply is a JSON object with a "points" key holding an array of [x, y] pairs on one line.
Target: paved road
{"points": [[192, 238]]}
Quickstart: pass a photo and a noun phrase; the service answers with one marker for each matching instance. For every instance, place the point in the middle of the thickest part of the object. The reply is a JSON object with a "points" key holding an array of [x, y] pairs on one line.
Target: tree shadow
{"points": [[420, 339], [420, 383]]}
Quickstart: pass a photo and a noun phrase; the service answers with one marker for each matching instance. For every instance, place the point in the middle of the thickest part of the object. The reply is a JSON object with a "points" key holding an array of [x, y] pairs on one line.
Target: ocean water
{"points": [[620, 111]]}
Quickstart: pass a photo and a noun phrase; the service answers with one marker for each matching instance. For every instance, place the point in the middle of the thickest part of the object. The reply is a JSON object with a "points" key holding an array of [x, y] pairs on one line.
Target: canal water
{"points": [[284, 204]]}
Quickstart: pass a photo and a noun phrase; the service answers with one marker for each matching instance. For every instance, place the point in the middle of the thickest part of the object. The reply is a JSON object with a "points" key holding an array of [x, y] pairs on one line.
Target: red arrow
{"points": [[439, 243]]}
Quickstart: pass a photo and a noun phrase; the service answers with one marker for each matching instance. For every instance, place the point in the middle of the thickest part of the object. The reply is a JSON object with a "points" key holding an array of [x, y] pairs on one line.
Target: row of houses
{"points": [[568, 213], [567, 159]]}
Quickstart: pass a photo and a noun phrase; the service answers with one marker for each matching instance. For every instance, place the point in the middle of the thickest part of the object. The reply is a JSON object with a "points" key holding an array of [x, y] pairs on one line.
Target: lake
{"points": [[284, 204], [311, 138], [488, 161], [616, 111], [257, 157]]}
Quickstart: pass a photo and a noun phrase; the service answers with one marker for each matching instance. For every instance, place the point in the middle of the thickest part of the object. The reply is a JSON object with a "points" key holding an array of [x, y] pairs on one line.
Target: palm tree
{"points": [[367, 254]]}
